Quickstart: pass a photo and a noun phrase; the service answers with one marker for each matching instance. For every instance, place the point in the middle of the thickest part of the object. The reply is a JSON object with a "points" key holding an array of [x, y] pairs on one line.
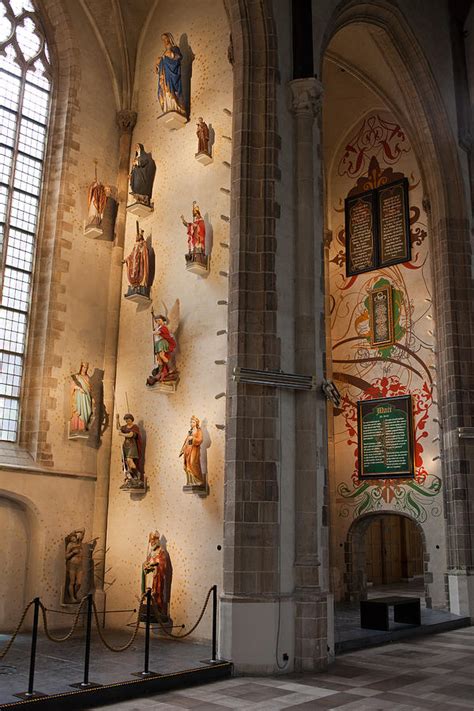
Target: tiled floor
{"points": [[435, 673], [349, 635]]}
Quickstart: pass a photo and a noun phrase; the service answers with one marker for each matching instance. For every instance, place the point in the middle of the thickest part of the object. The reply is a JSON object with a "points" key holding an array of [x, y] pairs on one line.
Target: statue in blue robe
{"points": [[168, 68]]}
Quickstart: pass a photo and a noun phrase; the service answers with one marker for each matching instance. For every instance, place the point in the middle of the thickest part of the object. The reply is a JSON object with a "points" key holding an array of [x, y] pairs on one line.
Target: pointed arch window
{"points": [[25, 92]]}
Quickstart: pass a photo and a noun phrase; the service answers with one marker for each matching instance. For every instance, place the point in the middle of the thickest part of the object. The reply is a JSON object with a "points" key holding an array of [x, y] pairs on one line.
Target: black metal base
{"points": [[146, 675], [89, 685], [96, 695], [33, 695]]}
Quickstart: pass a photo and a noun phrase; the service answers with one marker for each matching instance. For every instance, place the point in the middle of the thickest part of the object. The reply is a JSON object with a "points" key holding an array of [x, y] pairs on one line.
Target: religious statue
{"points": [[168, 69], [138, 269], [196, 259], [81, 403], [158, 563], [203, 154], [79, 579], [132, 454], [164, 328], [142, 175], [96, 201], [191, 453]]}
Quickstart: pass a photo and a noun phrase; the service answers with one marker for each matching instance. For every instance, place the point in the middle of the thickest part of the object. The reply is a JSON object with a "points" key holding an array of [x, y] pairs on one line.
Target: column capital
{"points": [[306, 96], [126, 120]]}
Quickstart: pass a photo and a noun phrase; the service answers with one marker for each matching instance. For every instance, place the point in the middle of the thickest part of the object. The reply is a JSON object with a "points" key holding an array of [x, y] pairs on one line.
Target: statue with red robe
{"points": [[196, 232], [164, 347], [158, 563]]}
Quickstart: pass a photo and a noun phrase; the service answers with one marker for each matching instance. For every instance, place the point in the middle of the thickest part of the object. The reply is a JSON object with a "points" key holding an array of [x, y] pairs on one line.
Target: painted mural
{"points": [[376, 153]]}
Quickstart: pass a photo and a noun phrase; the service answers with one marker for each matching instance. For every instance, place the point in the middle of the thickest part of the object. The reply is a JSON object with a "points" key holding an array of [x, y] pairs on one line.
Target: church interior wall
{"points": [[191, 526], [64, 500], [408, 369], [39, 507], [88, 260]]}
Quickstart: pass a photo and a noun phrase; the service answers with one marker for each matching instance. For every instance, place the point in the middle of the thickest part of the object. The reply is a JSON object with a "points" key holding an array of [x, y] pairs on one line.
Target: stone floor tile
{"points": [[336, 701], [363, 691]]}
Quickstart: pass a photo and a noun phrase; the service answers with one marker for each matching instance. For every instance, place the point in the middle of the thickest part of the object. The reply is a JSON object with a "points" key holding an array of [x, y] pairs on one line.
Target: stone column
{"points": [[126, 121], [250, 607], [310, 414]]}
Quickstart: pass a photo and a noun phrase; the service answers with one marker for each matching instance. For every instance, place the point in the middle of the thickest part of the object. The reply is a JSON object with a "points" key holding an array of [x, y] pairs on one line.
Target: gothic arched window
{"points": [[25, 90]]}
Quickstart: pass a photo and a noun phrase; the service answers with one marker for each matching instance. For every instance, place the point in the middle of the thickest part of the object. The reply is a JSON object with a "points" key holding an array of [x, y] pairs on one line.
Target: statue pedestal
{"points": [[201, 490], [203, 158], [173, 120], [92, 231], [139, 209], [164, 387], [77, 435], [197, 264], [131, 486], [137, 298]]}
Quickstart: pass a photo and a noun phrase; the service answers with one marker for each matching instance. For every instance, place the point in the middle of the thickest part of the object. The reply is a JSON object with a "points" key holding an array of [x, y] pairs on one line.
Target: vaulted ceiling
{"points": [[118, 25]]}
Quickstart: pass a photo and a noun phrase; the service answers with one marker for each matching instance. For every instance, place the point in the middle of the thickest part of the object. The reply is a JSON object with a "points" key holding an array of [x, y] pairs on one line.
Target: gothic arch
{"points": [[435, 146], [36, 543]]}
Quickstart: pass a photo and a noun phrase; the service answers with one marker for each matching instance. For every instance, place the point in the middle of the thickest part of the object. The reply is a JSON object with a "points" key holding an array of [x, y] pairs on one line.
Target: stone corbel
{"points": [[306, 96], [126, 120]]}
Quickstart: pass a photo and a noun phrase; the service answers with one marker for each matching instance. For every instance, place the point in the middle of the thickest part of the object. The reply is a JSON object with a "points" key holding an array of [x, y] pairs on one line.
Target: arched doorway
{"points": [[386, 553], [13, 561], [393, 552]]}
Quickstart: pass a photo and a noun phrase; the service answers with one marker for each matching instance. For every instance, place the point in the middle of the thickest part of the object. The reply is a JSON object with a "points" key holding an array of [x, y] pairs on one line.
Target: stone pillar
{"points": [[250, 608], [310, 413], [126, 121]]}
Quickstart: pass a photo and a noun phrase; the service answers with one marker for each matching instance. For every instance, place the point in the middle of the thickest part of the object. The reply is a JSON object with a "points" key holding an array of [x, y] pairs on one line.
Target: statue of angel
{"points": [[164, 328]]}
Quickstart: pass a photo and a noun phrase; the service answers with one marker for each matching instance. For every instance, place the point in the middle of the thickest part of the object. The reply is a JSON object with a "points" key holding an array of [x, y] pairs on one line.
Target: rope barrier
{"points": [[186, 634], [77, 614], [101, 612], [132, 638], [74, 624], [8, 645]]}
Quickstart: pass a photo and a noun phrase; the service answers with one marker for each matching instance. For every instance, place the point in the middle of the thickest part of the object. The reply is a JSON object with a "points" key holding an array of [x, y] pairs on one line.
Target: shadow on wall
{"points": [[186, 70]]}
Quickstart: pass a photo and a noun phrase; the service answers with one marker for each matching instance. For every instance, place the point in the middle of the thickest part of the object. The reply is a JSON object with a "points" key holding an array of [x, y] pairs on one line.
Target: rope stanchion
{"points": [[31, 693], [9, 644], [85, 683], [146, 669], [131, 640]]}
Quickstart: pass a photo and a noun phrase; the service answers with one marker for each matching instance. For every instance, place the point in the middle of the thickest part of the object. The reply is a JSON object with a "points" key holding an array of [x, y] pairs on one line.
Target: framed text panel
{"points": [[394, 223], [361, 239], [381, 316], [385, 435]]}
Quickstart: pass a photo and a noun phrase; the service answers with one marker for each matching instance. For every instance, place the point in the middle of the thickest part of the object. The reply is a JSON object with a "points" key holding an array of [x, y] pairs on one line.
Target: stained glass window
{"points": [[25, 89]]}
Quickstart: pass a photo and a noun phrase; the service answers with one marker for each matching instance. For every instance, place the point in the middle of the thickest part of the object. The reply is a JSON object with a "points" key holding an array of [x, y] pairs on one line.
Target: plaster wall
{"points": [[87, 260], [362, 371], [37, 511], [13, 561], [192, 526], [59, 501]]}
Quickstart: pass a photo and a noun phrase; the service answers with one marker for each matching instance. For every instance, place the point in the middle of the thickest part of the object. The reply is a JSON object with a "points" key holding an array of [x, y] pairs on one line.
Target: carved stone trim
{"points": [[306, 96]]}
